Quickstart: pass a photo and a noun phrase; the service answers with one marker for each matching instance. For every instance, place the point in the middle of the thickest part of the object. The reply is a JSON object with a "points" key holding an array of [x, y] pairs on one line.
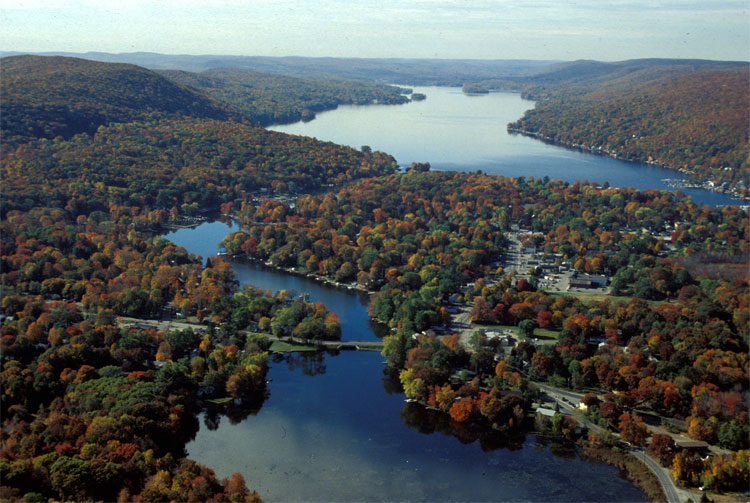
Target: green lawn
{"points": [[285, 347], [586, 297], [543, 333], [220, 401]]}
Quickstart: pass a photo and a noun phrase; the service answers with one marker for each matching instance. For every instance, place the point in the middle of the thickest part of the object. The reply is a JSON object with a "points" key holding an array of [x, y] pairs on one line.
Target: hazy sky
{"points": [[486, 29]]}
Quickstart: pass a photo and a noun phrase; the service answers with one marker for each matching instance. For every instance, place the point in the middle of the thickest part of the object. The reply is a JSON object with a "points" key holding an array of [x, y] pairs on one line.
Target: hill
{"points": [[45, 97], [684, 115], [584, 76], [442, 72], [273, 99], [186, 164]]}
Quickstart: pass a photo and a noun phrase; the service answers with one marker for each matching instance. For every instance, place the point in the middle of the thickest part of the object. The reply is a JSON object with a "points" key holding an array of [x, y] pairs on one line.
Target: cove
{"points": [[335, 428], [454, 131], [349, 305]]}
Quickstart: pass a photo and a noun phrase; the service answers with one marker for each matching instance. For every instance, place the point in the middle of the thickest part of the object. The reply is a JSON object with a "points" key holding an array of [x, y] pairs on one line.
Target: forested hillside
{"points": [[690, 117], [273, 99], [96, 157], [46, 97], [183, 164]]}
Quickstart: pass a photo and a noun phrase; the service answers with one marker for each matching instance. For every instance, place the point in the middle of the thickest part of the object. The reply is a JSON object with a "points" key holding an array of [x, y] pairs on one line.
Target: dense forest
{"points": [[95, 407], [274, 99], [92, 407], [674, 343], [47, 97], [186, 165], [685, 118]]}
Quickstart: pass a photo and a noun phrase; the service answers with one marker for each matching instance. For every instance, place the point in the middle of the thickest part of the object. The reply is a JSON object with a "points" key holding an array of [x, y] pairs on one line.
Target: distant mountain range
{"points": [[400, 71], [455, 72]]}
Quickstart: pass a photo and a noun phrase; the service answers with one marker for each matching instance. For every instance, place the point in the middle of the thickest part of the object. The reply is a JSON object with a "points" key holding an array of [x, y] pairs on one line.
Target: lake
{"points": [[334, 428], [455, 131]]}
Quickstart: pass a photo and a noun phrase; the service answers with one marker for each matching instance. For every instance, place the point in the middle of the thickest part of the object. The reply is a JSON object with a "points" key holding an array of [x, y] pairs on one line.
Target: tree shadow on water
{"points": [[428, 421]]}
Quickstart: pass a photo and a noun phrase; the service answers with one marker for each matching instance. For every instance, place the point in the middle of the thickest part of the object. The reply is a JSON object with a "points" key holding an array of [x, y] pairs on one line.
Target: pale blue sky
{"points": [[485, 29]]}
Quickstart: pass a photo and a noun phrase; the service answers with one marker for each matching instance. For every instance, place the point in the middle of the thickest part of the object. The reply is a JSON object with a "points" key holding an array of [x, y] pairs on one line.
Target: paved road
{"points": [[571, 396], [568, 401], [671, 492]]}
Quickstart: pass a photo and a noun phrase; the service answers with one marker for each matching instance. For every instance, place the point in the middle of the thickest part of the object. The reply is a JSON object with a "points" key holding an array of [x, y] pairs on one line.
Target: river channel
{"points": [[334, 428], [459, 132]]}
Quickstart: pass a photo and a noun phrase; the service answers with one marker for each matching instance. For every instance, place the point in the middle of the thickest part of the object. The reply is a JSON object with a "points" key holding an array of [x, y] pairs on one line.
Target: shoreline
{"points": [[676, 184], [328, 282], [293, 271], [646, 481]]}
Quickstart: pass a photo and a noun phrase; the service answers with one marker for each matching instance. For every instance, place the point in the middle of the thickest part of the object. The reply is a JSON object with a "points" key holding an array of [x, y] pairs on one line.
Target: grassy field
{"points": [[543, 333], [586, 297], [285, 347], [220, 401]]}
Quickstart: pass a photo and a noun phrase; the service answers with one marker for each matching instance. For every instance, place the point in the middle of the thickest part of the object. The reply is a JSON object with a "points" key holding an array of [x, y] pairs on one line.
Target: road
{"points": [[670, 491], [568, 401], [571, 396]]}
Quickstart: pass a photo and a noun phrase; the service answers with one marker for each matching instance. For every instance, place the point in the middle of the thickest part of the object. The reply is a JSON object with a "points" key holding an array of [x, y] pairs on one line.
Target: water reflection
{"points": [[334, 427], [310, 363], [235, 411], [429, 421]]}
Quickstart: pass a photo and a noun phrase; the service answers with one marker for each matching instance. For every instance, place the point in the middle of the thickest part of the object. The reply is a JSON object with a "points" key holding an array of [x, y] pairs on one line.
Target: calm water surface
{"points": [[454, 131], [333, 429], [349, 306]]}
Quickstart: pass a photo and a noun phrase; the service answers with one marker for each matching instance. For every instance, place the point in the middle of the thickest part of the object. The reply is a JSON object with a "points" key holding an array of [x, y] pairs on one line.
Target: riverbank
{"points": [[338, 397], [630, 467], [673, 183], [293, 271]]}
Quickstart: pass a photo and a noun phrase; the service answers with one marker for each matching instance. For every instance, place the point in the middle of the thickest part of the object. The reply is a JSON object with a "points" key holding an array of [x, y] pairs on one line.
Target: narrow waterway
{"points": [[458, 132], [334, 428], [349, 305]]}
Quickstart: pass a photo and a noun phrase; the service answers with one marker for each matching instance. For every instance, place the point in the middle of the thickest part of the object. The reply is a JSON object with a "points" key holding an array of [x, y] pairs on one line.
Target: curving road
{"points": [[665, 480], [567, 400]]}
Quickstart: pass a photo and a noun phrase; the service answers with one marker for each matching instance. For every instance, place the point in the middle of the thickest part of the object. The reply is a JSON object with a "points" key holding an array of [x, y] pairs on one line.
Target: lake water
{"points": [[455, 131], [335, 429], [349, 305]]}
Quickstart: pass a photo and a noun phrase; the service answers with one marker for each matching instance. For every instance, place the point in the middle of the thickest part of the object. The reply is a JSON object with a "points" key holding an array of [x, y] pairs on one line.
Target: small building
{"points": [[544, 411], [462, 376], [697, 446], [580, 283], [599, 280], [588, 281]]}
